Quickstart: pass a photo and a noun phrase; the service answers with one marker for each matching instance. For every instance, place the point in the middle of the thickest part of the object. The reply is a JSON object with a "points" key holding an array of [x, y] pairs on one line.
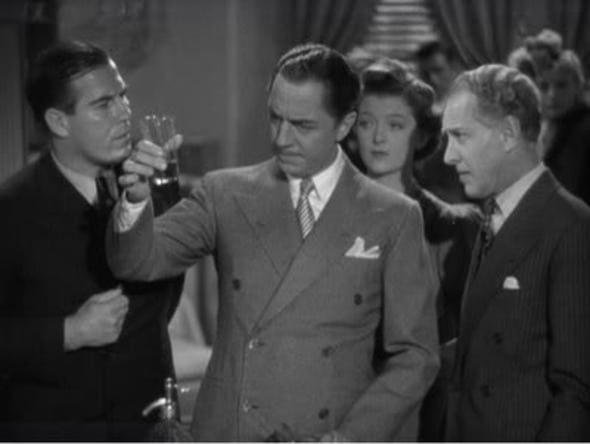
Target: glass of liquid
{"points": [[159, 129]]}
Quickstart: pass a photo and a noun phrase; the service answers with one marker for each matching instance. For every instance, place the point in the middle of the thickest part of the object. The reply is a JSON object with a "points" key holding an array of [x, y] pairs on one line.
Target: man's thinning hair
{"points": [[502, 91], [48, 83], [325, 65]]}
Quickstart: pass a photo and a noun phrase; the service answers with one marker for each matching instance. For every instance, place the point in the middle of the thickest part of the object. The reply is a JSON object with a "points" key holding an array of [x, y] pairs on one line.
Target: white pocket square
{"points": [[511, 283], [358, 250]]}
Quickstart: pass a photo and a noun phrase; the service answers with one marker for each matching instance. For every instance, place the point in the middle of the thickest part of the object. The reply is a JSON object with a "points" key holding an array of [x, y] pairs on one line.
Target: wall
{"points": [[11, 101], [206, 61]]}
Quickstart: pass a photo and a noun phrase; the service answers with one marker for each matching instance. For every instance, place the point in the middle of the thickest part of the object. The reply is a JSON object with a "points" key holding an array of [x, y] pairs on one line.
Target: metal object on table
{"points": [[168, 428]]}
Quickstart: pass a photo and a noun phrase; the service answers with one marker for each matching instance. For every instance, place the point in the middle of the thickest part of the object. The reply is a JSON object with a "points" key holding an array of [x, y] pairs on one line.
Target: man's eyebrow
{"points": [[453, 130], [302, 121], [107, 97]]}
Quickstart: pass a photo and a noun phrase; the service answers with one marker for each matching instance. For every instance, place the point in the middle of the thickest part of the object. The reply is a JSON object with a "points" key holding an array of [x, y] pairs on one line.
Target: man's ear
{"points": [[58, 122], [510, 132], [346, 125]]}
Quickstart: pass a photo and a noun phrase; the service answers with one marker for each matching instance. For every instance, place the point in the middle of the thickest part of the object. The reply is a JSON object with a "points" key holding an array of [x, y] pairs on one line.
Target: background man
{"points": [[82, 354], [326, 313], [523, 360], [438, 65]]}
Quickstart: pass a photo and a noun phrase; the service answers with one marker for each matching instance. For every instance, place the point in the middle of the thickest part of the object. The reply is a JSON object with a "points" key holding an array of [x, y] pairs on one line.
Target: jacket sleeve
{"points": [[409, 340], [568, 371], [164, 247]]}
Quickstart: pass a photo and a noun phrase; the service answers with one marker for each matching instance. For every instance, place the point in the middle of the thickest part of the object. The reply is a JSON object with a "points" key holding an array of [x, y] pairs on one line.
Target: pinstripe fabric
{"points": [[523, 360], [304, 211]]}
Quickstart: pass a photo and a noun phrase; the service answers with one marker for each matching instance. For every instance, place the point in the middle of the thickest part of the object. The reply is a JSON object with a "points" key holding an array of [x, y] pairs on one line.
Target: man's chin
{"points": [[290, 169]]}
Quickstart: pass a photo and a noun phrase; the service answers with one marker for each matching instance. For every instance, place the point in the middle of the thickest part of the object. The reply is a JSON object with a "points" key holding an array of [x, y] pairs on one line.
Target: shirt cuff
{"points": [[127, 213]]}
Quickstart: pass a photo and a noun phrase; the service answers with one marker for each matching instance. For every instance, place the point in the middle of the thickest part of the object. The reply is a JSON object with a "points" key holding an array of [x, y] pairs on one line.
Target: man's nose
{"points": [[379, 133], [123, 108], [450, 157], [283, 134]]}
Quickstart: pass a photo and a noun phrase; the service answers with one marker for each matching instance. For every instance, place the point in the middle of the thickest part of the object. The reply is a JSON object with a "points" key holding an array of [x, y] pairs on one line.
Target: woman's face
{"points": [[384, 128], [560, 92]]}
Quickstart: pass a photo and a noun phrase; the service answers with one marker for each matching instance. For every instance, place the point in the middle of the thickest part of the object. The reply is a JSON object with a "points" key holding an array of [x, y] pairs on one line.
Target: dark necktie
{"points": [[486, 231], [304, 212], [105, 198]]}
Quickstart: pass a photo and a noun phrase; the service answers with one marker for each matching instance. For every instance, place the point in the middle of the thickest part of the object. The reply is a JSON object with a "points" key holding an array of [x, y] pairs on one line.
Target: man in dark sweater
{"points": [[81, 352]]}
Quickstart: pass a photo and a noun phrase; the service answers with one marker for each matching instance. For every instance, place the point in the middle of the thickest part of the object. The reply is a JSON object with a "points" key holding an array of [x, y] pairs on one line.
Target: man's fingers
{"points": [[142, 168], [119, 304], [107, 295], [174, 143], [127, 180]]}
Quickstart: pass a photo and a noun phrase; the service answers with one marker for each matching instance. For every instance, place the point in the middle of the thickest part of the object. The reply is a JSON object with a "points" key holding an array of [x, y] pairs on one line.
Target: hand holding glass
{"points": [[159, 129]]}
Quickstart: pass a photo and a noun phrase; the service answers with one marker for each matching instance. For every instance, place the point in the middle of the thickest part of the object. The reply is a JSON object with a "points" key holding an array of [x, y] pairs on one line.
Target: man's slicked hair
{"points": [[48, 82], [502, 91], [322, 64]]}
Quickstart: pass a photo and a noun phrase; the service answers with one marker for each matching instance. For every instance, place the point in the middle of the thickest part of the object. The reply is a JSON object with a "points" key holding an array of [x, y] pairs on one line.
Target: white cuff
{"points": [[127, 213]]}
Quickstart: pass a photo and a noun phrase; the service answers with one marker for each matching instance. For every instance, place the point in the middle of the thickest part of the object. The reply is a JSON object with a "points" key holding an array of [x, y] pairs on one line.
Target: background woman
{"points": [[395, 121]]}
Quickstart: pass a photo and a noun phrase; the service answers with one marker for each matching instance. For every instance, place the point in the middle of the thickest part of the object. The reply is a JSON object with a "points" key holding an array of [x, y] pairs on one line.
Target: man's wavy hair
{"points": [[48, 83], [320, 63], [502, 91]]}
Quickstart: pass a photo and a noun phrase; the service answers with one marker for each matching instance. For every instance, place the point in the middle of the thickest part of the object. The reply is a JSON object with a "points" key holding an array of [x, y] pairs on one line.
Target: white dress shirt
{"points": [[508, 199], [324, 184]]}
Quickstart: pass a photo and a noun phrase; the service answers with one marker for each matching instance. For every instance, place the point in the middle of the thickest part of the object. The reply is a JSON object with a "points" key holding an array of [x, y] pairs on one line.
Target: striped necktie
{"points": [[304, 212]]}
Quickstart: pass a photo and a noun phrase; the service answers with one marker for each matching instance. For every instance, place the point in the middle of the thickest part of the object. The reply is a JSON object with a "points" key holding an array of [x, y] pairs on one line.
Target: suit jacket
{"points": [[451, 230], [52, 260], [523, 364], [300, 323]]}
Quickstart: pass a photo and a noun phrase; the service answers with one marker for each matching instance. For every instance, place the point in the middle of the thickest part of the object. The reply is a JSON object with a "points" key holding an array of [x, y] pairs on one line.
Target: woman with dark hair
{"points": [[396, 121]]}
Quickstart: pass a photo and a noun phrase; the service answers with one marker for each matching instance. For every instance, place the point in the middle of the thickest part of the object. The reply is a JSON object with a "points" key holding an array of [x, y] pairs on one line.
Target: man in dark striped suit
{"points": [[522, 370]]}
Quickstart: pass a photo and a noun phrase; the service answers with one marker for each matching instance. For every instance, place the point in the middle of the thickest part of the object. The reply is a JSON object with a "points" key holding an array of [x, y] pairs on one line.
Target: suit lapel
{"points": [[59, 194], [519, 234], [270, 213], [332, 235]]}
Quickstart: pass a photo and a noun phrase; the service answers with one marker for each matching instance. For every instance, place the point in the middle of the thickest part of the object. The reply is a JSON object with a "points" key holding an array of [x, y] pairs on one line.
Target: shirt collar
{"points": [[508, 199], [324, 182], [85, 185]]}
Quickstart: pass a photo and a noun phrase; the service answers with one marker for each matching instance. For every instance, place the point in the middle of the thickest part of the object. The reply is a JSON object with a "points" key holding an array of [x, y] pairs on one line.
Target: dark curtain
{"points": [[340, 24], [485, 31], [481, 31], [571, 18]]}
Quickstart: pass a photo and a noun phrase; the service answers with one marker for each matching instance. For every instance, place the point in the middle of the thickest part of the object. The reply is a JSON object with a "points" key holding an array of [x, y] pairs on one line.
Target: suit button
{"points": [[497, 337], [236, 283], [247, 406], [254, 343], [358, 299], [327, 351], [486, 390], [323, 413]]}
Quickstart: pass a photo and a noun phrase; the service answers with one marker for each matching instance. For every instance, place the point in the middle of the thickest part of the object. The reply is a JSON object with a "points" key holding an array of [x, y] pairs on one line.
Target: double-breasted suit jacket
{"points": [[523, 362], [300, 322], [52, 260]]}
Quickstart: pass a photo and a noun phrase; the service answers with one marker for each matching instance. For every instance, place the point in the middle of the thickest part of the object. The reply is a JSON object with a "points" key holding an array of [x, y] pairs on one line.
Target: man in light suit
{"points": [[327, 325], [522, 368]]}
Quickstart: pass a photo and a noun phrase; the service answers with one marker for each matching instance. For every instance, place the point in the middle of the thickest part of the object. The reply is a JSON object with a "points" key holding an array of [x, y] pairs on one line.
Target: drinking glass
{"points": [[159, 129]]}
